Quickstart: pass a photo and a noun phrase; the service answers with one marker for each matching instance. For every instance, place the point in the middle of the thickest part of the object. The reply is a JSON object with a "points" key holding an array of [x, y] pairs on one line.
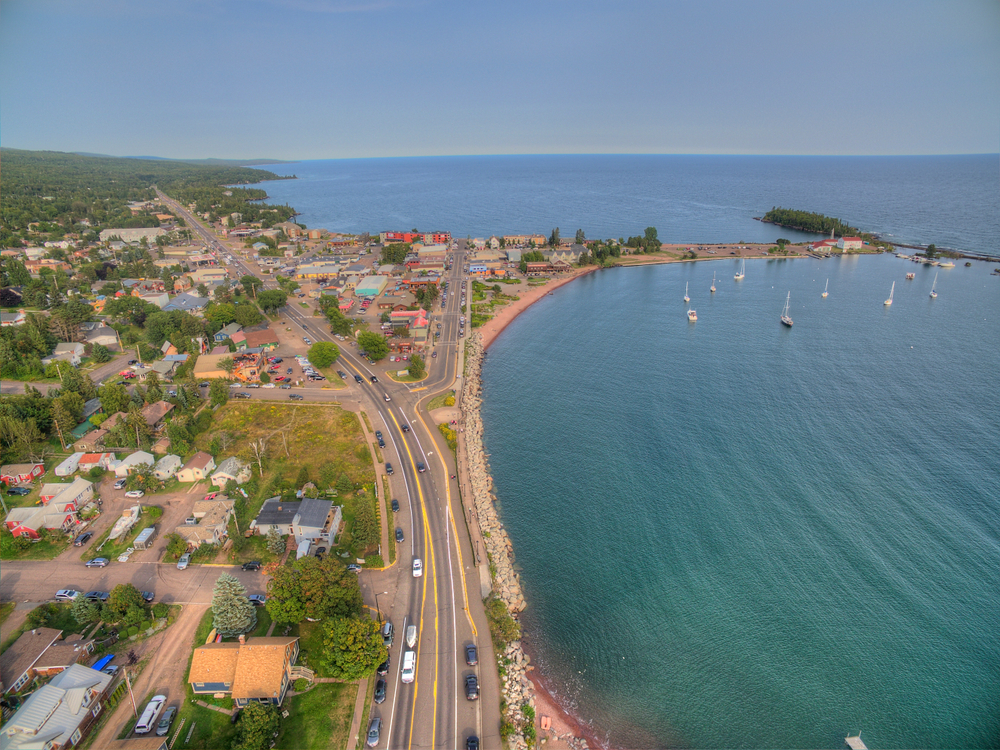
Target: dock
{"points": [[855, 742]]}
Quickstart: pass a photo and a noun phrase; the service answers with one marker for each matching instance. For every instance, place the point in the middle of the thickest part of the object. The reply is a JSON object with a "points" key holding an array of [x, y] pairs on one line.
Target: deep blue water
{"points": [[953, 201], [734, 534]]}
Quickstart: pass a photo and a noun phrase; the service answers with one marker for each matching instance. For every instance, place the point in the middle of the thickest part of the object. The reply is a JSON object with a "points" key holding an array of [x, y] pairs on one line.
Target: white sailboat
{"points": [[825, 292], [713, 283], [893, 289], [785, 319], [934, 287], [686, 298], [742, 273]]}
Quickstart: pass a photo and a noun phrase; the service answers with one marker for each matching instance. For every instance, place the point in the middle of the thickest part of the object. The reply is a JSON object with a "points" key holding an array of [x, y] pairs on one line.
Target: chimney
{"points": [[242, 639]]}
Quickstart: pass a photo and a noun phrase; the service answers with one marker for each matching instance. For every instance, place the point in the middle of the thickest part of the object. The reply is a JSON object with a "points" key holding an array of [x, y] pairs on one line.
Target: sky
{"points": [[317, 79]]}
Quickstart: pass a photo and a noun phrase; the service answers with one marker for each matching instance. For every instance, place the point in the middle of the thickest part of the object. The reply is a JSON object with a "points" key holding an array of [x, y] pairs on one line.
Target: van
{"points": [[148, 719], [411, 635], [409, 666]]}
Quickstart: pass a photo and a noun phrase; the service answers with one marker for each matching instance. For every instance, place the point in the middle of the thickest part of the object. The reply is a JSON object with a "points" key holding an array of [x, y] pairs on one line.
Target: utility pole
{"points": [[59, 430], [135, 711]]}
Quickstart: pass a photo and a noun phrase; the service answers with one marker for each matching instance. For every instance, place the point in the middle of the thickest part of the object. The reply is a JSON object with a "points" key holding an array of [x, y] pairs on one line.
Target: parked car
{"points": [[204, 385], [320, 551], [98, 562], [380, 691], [296, 396], [97, 596], [111, 670], [395, 506], [374, 731], [149, 714], [383, 668], [252, 565], [147, 596], [253, 385], [418, 567], [471, 657], [184, 561], [285, 386], [288, 371], [241, 394], [388, 468], [163, 728], [387, 633], [119, 484], [82, 539], [378, 434], [471, 687], [135, 493], [354, 568], [257, 600], [20, 491], [66, 595], [381, 443]]}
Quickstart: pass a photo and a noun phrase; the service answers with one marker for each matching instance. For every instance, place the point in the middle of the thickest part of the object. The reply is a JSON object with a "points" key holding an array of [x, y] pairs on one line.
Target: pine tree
{"points": [[275, 542], [233, 612]]}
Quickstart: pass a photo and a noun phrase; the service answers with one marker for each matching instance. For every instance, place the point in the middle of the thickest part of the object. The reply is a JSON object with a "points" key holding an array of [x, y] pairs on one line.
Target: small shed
{"points": [[303, 549], [69, 466], [145, 538]]}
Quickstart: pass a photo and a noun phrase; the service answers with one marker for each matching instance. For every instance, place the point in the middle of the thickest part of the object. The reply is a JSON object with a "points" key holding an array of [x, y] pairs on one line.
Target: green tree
{"points": [[154, 391], [323, 353], [233, 613], [275, 541], [114, 398], [85, 611], [417, 367], [931, 251], [247, 314], [256, 728], [272, 299], [123, 596], [227, 364], [176, 545], [554, 237], [218, 392], [352, 647], [313, 588], [100, 354], [373, 343], [250, 283], [580, 237]]}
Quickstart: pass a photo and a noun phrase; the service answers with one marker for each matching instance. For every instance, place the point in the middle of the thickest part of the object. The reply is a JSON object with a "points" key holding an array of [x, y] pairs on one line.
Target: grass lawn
{"points": [[391, 374], [212, 730], [263, 623], [150, 515], [5, 609], [438, 401], [48, 547], [320, 718], [311, 647]]}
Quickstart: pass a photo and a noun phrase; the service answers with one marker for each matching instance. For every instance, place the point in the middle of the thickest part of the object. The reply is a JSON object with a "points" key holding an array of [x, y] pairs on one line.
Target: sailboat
{"points": [[934, 287], [784, 313], [825, 292], [889, 301], [742, 273], [686, 298], [713, 284]]}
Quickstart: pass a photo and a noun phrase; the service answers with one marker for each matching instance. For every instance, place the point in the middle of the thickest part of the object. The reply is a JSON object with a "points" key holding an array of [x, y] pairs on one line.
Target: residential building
{"points": [[13, 319], [266, 339], [15, 473], [92, 441], [186, 303], [68, 466], [90, 461], [155, 414], [53, 516], [198, 467], [252, 670], [227, 331], [66, 352], [309, 518], [58, 715], [76, 493], [212, 527], [18, 661], [104, 335], [128, 464], [232, 468], [166, 467]]}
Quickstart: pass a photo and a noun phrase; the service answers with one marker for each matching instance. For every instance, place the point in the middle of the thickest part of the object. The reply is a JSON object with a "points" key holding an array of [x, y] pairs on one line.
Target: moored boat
{"points": [[785, 318], [692, 316]]}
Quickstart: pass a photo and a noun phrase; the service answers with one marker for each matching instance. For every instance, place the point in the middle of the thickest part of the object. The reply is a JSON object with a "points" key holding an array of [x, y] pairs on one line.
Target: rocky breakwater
{"points": [[517, 700]]}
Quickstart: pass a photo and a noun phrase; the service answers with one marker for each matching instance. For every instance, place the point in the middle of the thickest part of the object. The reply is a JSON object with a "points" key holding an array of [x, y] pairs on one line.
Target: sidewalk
{"points": [[359, 711]]}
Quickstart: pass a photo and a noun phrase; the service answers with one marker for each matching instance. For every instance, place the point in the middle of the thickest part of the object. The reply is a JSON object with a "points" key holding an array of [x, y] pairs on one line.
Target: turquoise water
{"points": [[734, 534]]}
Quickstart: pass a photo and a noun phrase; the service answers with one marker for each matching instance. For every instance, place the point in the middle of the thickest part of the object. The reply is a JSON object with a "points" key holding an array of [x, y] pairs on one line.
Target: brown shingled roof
{"points": [[24, 652], [215, 662], [261, 667]]}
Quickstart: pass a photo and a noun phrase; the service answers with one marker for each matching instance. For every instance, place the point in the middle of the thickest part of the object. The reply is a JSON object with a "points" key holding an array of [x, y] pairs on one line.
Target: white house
{"points": [[127, 465], [167, 466], [198, 467], [66, 352], [69, 466], [850, 243], [232, 468]]}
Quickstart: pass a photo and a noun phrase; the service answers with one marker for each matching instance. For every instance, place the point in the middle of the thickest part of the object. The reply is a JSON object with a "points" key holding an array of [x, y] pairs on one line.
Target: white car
{"points": [[134, 493], [268, 385], [418, 567], [66, 595]]}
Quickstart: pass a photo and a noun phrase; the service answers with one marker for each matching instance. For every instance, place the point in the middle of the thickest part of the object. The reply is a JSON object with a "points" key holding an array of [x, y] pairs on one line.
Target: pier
{"points": [[855, 742]]}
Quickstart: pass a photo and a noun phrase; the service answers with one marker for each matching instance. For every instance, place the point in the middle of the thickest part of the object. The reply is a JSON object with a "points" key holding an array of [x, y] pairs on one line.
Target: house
{"points": [[232, 468], [92, 441], [166, 467], [213, 521], [18, 661], [850, 243], [66, 352], [165, 367], [28, 521], [306, 519], [198, 467], [168, 348], [128, 464], [90, 461], [154, 414], [104, 335], [227, 332], [13, 319], [266, 339], [91, 407], [186, 302], [76, 493], [824, 246], [252, 670], [69, 466], [58, 715], [15, 473]]}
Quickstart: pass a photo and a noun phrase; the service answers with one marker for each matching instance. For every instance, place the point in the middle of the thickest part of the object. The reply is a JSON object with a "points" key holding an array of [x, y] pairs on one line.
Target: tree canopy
{"points": [[352, 647], [233, 612], [374, 344], [318, 589], [323, 353], [256, 727]]}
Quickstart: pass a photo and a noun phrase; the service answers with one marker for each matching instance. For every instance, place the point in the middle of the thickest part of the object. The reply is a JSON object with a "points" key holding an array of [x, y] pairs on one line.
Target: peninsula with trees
{"points": [[806, 221]]}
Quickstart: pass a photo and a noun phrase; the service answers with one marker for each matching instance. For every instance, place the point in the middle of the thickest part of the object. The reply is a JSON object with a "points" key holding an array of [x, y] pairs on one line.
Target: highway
{"points": [[444, 603]]}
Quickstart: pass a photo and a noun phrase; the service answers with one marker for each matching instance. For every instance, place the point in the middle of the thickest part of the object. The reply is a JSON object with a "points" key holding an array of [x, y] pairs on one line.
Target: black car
{"points": [[373, 379], [241, 394], [405, 428], [320, 551], [470, 655], [395, 506], [253, 565], [399, 534], [359, 379], [380, 691], [381, 443], [295, 396], [472, 743], [420, 467], [203, 385], [378, 434], [22, 491], [133, 361], [383, 668], [97, 596], [342, 374], [388, 468], [277, 361], [471, 688], [288, 371]]}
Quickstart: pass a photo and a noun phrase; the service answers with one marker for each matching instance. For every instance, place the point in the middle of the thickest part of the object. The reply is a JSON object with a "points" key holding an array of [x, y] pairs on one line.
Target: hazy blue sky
{"points": [[299, 79]]}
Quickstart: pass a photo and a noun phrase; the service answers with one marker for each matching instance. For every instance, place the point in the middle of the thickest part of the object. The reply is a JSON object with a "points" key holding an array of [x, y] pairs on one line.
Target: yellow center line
{"points": [[429, 571]]}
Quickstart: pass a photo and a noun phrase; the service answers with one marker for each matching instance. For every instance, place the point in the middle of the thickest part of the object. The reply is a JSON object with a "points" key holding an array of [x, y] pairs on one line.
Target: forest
{"points": [[808, 222]]}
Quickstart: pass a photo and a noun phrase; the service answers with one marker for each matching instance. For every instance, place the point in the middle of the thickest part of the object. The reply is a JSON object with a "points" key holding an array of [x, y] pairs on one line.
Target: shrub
{"points": [[96, 473], [133, 630], [450, 400], [145, 625], [21, 543], [301, 684], [374, 561], [160, 610]]}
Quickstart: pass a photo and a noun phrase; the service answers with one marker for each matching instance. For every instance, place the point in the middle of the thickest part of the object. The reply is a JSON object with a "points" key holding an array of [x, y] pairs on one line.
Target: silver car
{"points": [[183, 562]]}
